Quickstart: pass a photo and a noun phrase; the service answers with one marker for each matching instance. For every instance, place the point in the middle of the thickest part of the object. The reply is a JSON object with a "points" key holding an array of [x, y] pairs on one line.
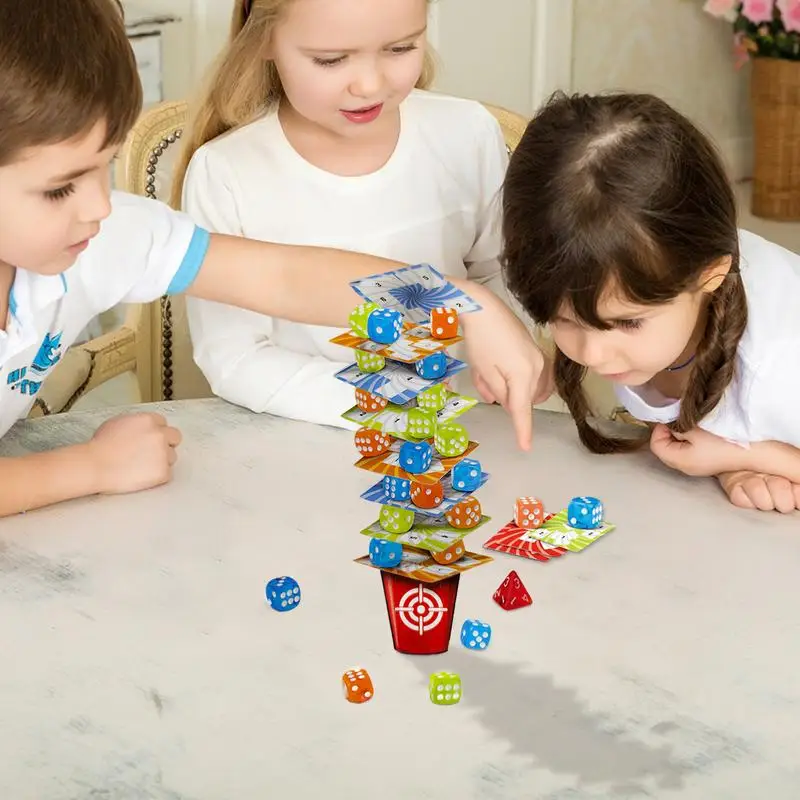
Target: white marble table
{"points": [[139, 659]]}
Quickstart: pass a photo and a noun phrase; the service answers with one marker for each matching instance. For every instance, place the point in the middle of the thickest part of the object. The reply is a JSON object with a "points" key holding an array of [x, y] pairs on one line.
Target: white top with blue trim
{"points": [[762, 402], [144, 250]]}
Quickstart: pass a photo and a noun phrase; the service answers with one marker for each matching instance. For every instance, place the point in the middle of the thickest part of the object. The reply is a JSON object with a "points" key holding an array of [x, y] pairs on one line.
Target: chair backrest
{"points": [[145, 167]]}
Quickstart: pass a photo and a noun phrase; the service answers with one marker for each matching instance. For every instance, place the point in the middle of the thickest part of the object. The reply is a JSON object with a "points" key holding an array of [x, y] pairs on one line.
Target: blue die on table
{"points": [[467, 475], [432, 366], [397, 488], [476, 635], [385, 325], [383, 553], [416, 457], [585, 513], [283, 594]]}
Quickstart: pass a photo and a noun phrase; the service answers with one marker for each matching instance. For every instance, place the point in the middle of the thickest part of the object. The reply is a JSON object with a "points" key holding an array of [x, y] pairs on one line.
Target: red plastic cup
{"points": [[420, 614]]}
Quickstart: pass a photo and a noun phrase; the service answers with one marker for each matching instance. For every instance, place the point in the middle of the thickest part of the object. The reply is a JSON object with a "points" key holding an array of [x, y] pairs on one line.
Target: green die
{"points": [[433, 398], [451, 439], [369, 362], [421, 423], [396, 520], [445, 688], [359, 316]]}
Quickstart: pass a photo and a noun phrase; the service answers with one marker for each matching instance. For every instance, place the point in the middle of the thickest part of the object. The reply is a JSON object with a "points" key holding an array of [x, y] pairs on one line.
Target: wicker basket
{"points": [[775, 99]]}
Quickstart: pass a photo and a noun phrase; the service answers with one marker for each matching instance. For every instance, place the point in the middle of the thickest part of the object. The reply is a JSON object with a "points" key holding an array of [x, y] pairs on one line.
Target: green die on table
{"points": [[445, 688], [451, 439], [421, 423], [433, 399], [359, 317]]}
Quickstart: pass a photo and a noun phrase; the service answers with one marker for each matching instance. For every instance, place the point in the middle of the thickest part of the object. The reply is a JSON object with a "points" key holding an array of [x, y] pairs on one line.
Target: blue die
{"points": [[416, 457], [585, 513], [476, 635], [396, 488], [432, 366], [385, 325], [283, 593], [383, 553], [467, 475]]}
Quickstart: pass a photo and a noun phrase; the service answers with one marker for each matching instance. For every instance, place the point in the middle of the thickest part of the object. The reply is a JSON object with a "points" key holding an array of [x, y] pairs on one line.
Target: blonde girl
{"points": [[316, 128]]}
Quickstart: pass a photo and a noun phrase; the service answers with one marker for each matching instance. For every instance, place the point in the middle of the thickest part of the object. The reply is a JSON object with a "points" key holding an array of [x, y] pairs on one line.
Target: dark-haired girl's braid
{"points": [[569, 377], [715, 360]]}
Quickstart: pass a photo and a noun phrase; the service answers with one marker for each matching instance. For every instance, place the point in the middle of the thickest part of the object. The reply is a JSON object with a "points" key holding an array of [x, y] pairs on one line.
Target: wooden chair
{"points": [[144, 168]]}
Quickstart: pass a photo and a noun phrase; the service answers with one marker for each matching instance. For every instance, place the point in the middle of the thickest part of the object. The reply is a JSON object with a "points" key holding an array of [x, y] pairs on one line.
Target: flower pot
{"points": [[775, 103]]}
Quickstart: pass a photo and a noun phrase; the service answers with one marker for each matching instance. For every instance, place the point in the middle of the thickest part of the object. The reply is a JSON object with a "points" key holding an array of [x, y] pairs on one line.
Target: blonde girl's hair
{"points": [[243, 85]]}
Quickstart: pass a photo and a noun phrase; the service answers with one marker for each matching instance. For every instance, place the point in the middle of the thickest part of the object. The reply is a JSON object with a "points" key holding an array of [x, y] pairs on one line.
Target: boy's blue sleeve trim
{"points": [[192, 261]]}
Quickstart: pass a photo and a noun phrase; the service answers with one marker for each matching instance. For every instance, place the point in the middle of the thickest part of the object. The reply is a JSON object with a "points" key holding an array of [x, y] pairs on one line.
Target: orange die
{"points": [[444, 323], [451, 555], [372, 443], [466, 514], [424, 496], [357, 685], [528, 513], [367, 401]]}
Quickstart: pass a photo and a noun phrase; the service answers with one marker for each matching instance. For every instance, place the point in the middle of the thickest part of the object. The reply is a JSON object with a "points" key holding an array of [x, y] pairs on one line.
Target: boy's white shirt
{"points": [[435, 201], [144, 249], [762, 403]]}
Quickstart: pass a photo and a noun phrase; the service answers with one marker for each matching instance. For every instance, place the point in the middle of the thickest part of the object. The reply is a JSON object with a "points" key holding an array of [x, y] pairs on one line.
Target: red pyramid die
{"points": [[511, 593]]}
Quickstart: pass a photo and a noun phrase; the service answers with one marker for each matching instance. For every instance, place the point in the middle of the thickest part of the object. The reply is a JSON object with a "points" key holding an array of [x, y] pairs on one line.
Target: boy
{"points": [[70, 249]]}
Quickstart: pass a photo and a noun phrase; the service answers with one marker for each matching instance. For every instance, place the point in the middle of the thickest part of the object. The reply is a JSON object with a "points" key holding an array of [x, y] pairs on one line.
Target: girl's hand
{"points": [[507, 366], [753, 490], [698, 452]]}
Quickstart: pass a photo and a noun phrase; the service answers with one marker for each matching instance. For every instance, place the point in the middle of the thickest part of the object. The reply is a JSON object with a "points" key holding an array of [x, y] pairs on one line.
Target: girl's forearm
{"points": [[776, 458]]}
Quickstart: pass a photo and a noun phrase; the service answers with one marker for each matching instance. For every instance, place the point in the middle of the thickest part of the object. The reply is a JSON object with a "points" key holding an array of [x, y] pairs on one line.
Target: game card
{"points": [[376, 494], [394, 418], [556, 531], [414, 291], [427, 570], [429, 533], [389, 464], [415, 343], [398, 383]]}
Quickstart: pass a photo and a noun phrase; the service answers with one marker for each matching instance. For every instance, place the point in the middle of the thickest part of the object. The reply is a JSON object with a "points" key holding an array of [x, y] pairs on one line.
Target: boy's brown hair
{"points": [[65, 65]]}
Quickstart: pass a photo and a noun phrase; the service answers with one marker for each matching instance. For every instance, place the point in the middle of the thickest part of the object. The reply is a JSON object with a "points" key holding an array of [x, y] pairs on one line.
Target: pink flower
{"points": [[758, 10], [726, 9], [790, 13]]}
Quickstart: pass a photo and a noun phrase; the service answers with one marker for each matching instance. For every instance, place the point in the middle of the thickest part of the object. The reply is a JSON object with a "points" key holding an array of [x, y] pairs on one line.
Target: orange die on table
{"points": [[444, 323], [367, 401], [424, 496], [528, 513], [357, 685], [466, 514], [371, 442]]}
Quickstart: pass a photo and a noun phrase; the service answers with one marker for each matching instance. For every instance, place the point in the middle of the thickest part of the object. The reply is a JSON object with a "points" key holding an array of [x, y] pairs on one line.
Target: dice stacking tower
{"points": [[411, 434]]}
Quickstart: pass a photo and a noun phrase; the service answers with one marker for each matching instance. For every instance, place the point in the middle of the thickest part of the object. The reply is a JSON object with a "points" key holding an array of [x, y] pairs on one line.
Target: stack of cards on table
{"points": [[540, 536], [412, 436]]}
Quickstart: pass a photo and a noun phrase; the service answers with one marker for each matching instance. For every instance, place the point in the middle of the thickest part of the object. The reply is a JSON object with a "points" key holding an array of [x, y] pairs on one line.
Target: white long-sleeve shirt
{"points": [[435, 201]]}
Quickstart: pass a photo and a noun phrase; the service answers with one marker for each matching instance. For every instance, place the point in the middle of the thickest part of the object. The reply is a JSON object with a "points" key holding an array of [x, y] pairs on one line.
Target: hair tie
{"points": [[248, 5]]}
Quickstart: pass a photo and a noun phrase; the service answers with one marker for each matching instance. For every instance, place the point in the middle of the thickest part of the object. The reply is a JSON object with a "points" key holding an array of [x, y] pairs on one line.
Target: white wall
{"points": [[671, 48]]}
